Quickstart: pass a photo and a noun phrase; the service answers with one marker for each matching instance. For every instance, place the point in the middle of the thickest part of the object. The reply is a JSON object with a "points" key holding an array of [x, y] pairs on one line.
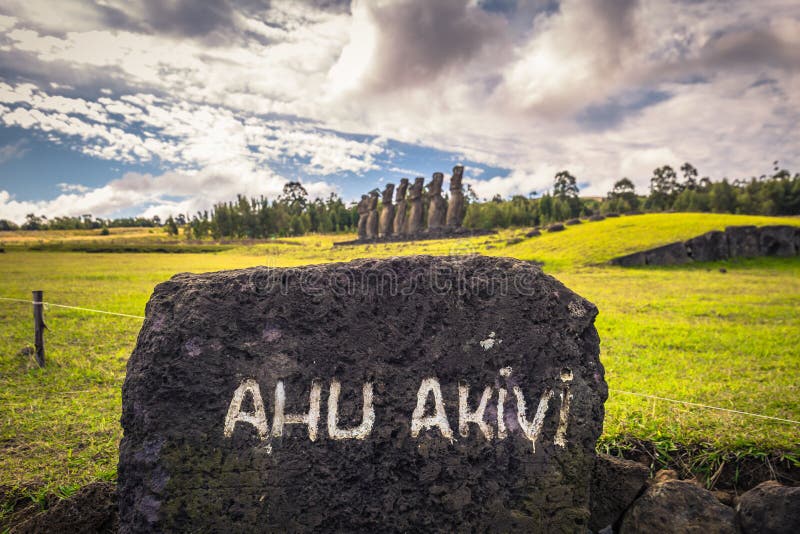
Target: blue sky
{"points": [[145, 107]]}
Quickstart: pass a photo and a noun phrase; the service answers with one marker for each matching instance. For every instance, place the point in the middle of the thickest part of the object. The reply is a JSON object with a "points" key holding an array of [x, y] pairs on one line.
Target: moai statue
{"points": [[414, 222], [363, 214], [437, 209], [387, 211], [455, 206], [400, 209], [372, 218]]}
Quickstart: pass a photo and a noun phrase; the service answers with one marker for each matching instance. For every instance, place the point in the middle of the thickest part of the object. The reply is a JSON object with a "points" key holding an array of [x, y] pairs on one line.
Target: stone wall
{"points": [[734, 242]]}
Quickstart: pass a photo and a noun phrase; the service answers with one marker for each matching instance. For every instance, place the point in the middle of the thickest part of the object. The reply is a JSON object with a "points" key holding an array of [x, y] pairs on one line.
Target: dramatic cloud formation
{"points": [[189, 103]]}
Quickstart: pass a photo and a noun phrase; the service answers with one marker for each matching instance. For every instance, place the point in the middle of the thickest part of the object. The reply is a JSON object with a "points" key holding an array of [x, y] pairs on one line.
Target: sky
{"points": [[155, 107]]}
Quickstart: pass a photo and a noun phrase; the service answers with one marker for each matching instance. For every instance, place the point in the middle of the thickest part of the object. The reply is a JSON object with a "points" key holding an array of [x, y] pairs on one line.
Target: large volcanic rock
{"points": [[770, 508], [417, 393], [678, 506], [711, 246], [615, 485], [778, 240], [743, 241], [672, 254]]}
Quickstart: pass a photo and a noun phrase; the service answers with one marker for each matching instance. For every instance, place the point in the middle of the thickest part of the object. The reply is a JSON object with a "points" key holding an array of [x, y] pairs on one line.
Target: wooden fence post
{"points": [[38, 325]]}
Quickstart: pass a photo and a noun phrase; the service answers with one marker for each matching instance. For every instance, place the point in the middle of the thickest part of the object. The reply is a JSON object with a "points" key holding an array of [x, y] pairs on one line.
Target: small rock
{"points": [[665, 474], [723, 270], [612, 214], [770, 508], [597, 218], [558, 227], [533, 233], [678, 506], [725, 497], [615, 485], [573, 222]]}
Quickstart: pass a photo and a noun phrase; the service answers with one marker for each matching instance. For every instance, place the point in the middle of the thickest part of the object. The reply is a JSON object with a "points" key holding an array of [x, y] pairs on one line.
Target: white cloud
{"points": [[73, 188], [512, 93], [188, 135], [155, 195]]}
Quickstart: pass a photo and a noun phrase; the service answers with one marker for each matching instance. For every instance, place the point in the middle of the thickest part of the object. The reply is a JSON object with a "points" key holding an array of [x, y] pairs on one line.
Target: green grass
{"points": [[692, 332]]}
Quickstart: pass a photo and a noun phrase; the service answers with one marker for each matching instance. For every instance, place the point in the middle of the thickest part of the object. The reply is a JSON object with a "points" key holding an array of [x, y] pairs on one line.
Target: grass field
{"points": [[727, 339]]}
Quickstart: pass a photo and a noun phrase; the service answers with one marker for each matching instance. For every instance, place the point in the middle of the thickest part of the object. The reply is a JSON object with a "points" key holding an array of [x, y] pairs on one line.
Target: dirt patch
{"points": [[93, 509]]}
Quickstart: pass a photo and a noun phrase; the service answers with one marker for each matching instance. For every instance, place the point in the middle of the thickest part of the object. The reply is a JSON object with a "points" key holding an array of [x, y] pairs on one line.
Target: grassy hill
{"points": [[727, 339]]}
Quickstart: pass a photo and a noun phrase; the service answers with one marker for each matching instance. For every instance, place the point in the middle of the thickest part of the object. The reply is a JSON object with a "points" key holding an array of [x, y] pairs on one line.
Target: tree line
{"points": [[292, 213], [775, 194]]}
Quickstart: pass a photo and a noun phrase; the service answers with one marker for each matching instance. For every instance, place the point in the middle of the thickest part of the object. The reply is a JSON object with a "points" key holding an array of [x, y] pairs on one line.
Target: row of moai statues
{"points": [[405, 217]]}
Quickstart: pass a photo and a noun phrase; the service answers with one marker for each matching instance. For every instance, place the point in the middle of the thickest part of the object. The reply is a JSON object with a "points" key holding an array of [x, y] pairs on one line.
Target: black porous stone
{"points": [[615, 485], [711, 246], [470, 322], [743, 241], [672, 254], [678, 506], [770, 508], [777, 240], [636, 259]]}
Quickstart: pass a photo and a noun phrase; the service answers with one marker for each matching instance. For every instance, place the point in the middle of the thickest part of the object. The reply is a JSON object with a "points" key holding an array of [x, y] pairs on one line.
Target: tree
{"points": [[664, 188], [622, 197], [546, 208], [689, 176], [170, 226], [295, 196], [33, 222], [565, 186], [722, 197]]}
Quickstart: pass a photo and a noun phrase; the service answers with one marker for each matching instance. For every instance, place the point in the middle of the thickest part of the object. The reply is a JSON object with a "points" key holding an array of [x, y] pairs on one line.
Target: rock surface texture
{"points": [[615, 485], [408, 394], [770, 508], [678, 506]]}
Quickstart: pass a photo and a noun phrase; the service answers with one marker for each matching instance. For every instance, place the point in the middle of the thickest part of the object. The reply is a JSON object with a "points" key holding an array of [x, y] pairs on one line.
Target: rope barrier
{"points": [[644, 395], [74, 308], [698, 405]]}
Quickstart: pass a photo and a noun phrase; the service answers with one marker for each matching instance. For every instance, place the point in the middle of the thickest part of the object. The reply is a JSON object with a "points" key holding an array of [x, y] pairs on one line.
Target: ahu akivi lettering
{"points": [[488, 416]]}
